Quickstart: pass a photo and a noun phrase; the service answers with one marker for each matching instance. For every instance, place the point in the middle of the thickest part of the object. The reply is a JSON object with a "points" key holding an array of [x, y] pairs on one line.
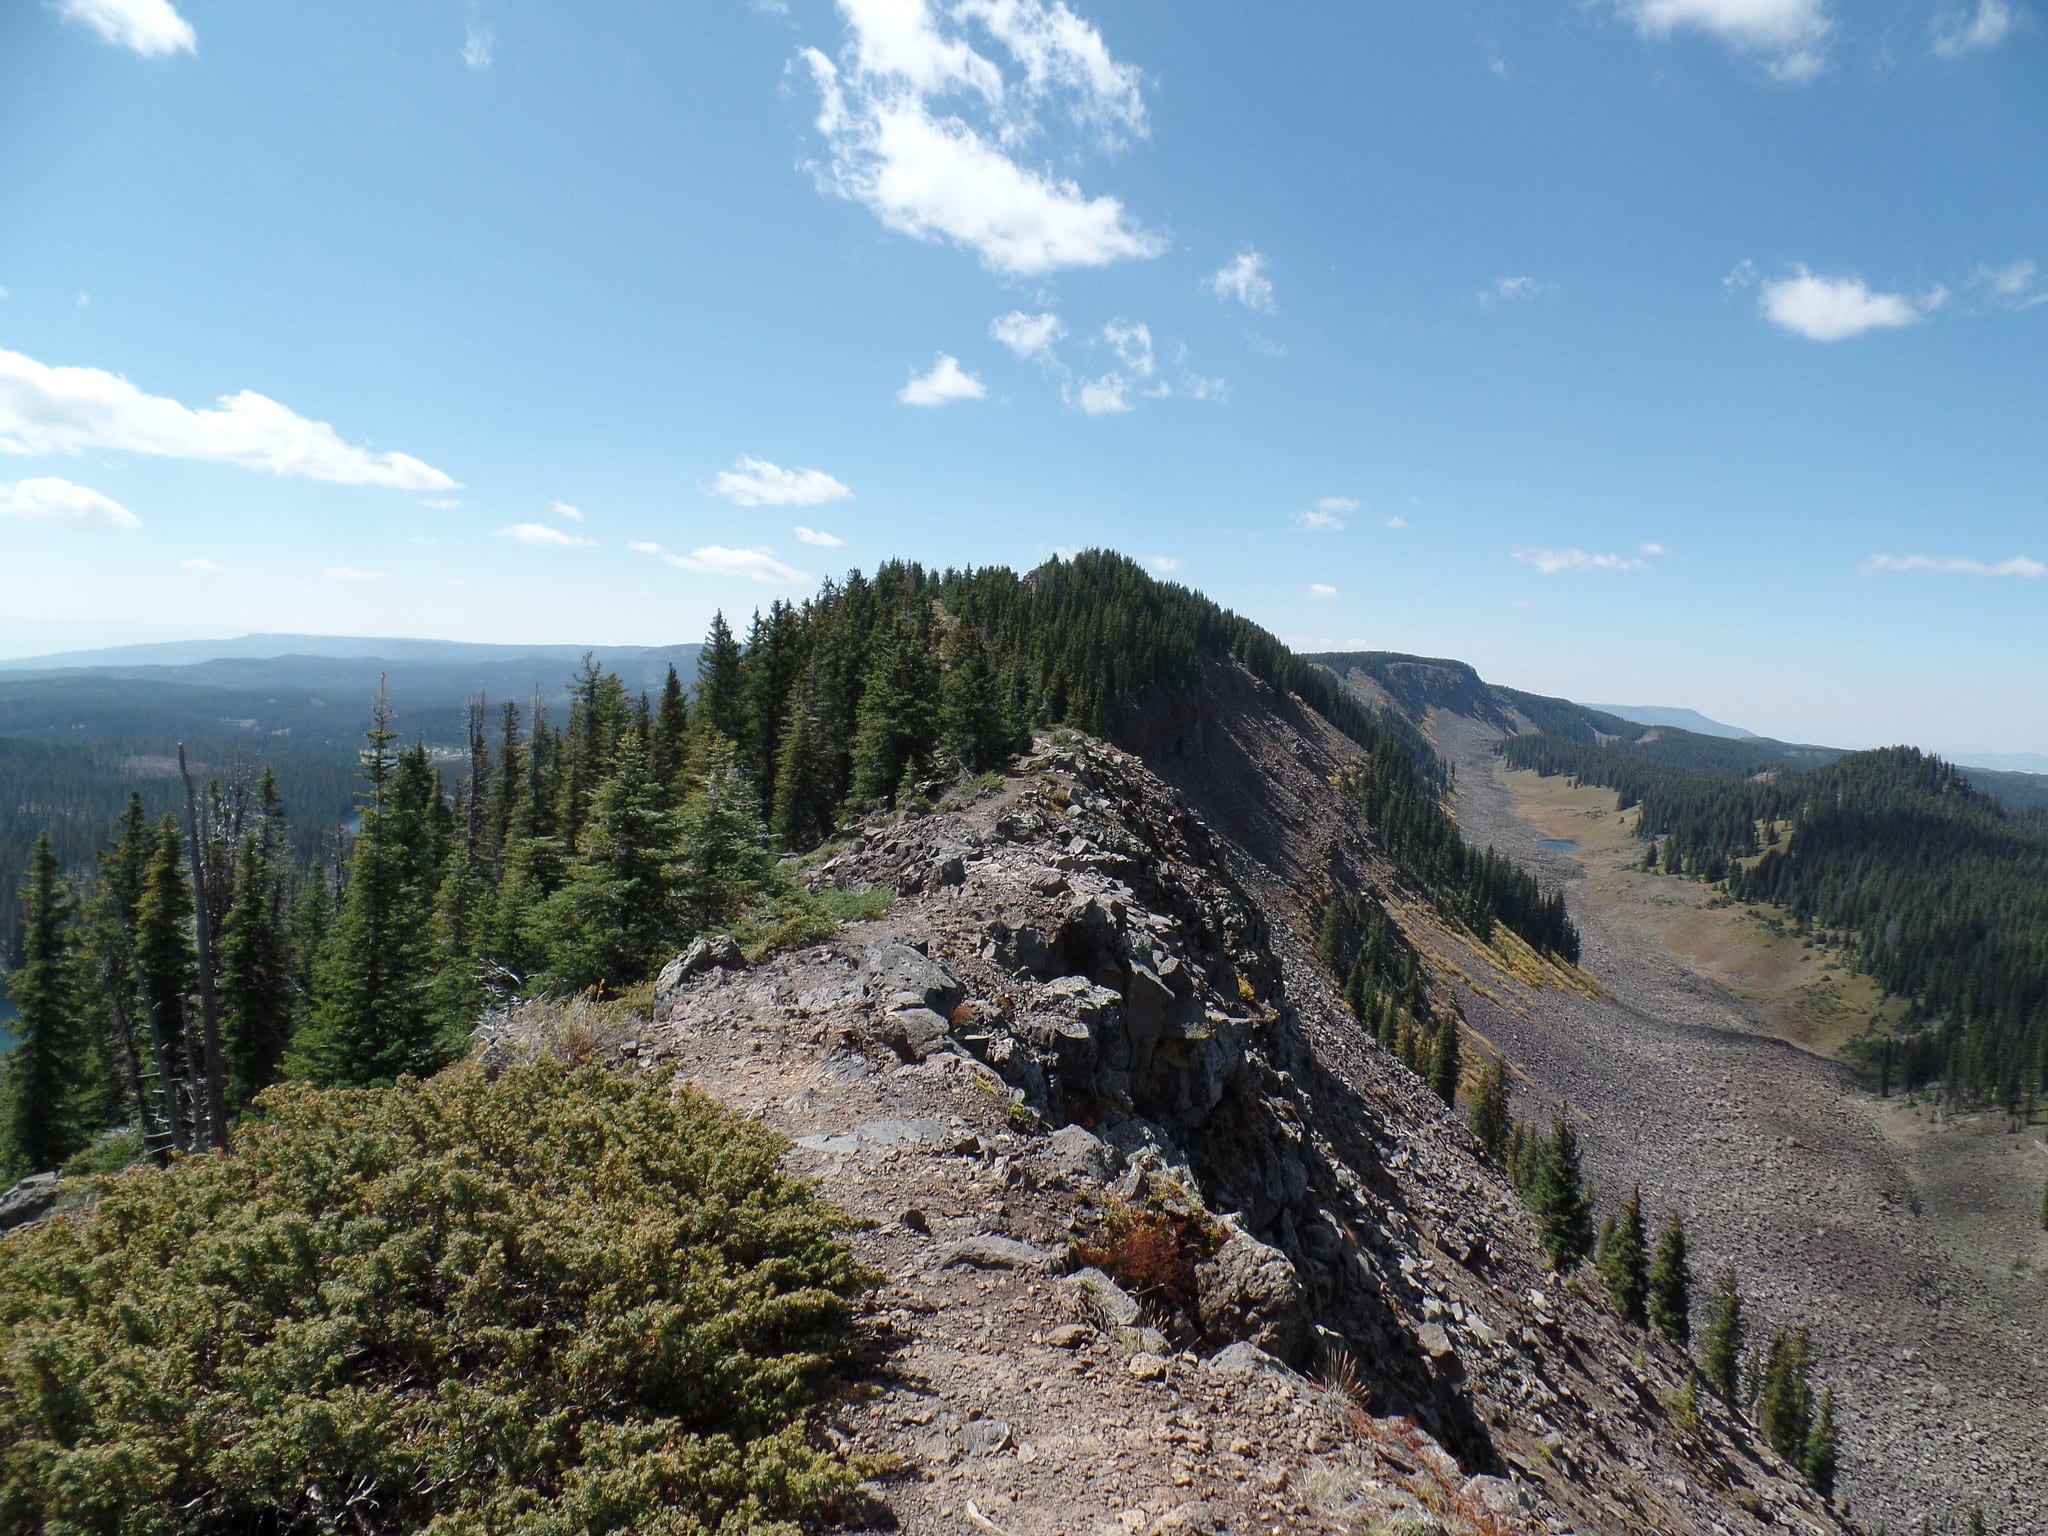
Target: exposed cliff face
{"points": [[1090, 1037]]}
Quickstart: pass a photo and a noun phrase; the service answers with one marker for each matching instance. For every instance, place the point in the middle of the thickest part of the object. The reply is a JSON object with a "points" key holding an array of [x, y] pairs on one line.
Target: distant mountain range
{"points": [[1682, 719]]}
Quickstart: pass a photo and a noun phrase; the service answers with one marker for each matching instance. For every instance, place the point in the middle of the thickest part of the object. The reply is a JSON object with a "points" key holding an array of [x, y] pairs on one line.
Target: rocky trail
{"points": [[1939, 1359], [1163, 1242]]}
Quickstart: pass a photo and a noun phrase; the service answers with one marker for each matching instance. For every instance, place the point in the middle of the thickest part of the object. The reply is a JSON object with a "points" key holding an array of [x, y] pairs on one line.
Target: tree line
{"points": [[1928, 885], [202, 955]]}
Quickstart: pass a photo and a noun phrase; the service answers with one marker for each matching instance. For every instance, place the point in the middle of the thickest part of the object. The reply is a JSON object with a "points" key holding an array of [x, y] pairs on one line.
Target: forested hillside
{"points": [[207, 955], [1930, 886]]}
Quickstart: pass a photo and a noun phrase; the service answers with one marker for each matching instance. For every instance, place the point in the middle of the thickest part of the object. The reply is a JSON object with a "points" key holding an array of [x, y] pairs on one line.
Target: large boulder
{"points": [[1011, 942], [715, 952], [1250, 1292], [28, 1202], [914, 1033], [895, 976]]}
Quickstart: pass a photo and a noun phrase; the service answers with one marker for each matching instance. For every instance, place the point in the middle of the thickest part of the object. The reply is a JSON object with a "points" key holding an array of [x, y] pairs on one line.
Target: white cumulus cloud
{"points": [[757, 483], [946, 382], [1029, 336], [202, 565], [566, 509], [1789, 38], [1321, 590], [1552, 561], [1244, 279], [1165, 564], [479, 41], [1328, 515], [151, 28], [927, 109], [46, 410], [1131, 340], [1957, 565], [544, 535], [351, 573], [47, 499], [1106, 396], [1823, 308], [1957, 33], [817, 537]]}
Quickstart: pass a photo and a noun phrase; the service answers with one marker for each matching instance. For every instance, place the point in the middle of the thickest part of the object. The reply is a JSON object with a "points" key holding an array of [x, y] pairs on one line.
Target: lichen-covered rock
{"points": [[28, 1202], [1094, 1294], [714, 952], [1251, 1292], [914, 1033]]}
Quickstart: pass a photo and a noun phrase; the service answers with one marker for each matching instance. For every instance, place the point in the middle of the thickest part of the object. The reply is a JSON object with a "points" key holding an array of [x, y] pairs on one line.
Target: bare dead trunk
{"points": [[209, 1005]]}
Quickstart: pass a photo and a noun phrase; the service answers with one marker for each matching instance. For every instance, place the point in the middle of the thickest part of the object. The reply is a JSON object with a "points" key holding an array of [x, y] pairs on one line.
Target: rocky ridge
{"points": [[1166, 1242]]}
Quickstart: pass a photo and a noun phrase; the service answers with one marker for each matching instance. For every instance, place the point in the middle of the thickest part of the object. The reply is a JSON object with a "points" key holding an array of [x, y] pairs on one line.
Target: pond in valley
{"points": [[1557, 844]]}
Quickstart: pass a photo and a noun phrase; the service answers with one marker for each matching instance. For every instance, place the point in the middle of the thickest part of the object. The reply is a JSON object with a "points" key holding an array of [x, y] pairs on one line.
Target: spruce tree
{"points": [[1722, 1340], [607, 923], [802, 815], [1820, 1448], [1557, 1195], [1444, 1062], [40, 1123], [974, 726], [1785, 1404], [166, 966], [1624, 1260], [723, 861], [896, 725], [721, 700], [109, 959], [255, 975], [671, 727], [1671, 1284], [373, 1020], [1491, 1115]]}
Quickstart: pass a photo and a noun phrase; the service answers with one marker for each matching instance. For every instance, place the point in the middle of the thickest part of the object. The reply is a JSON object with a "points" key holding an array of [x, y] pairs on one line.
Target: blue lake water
{"points": [[8, 1014], [1559, 844]]}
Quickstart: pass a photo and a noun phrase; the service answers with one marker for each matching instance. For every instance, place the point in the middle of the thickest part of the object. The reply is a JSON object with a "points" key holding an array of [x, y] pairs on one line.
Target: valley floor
{"points": [[1913, 1253]]}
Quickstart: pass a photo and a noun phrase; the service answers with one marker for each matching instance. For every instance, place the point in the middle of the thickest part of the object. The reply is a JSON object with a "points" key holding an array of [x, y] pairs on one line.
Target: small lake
{"points": [[1557, 844], [8, 1014]]}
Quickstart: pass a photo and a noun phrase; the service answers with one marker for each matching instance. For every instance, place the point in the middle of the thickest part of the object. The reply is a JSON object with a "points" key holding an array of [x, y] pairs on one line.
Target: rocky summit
{"points": [[1161, 1241]]}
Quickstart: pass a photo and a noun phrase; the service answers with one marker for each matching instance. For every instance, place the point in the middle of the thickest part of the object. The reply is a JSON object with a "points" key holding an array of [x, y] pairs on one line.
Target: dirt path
{"points": [[1924, 1281]]}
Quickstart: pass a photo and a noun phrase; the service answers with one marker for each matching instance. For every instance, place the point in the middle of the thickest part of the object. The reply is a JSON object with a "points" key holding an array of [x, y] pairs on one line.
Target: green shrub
{"points": [[547, 1303]]}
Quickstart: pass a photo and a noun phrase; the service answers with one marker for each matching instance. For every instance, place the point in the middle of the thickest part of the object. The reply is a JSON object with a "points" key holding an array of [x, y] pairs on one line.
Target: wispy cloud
{"points": [[1551, 562], [1956, 565], [1514, 290], [442, 503], [1397, 522], [1322, 591], [1956, 33], [817, 537], [1165, 564], [151, 28], [1328, 515], [718, 560], [945, 383], [2016, 285], [544, 535], [45, 410], [350, 573], [565, 509], [925, 129], [1790, 38], [202, 565], [1820, 307], [1244, 279], [479, 43], [1029, 336], [758, 483], [47, 499]]}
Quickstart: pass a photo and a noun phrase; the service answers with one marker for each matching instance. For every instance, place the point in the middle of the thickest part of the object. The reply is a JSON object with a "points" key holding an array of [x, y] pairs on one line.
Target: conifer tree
{"points": [[974, 726], [1722, 1340], [721, 701], [1820, 1448], [256, 964], [671, 729], [1444, 1062], [802, 813], [724, 857], [1624, 1260], [896, 726], [1557, 1195], [1671, 1284], [1491, 1116], [166, 965], [1785, 1404], [40, 1123], [109, 960], [619, 905], [372, 1021]]}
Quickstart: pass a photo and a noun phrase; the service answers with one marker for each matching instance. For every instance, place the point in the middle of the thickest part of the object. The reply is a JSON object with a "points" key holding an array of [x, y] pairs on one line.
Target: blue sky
{"points": [[1675, 351]]}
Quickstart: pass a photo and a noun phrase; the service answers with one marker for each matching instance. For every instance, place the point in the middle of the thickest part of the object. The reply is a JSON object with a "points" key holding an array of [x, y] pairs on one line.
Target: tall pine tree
{"points": [[40, 1120], [1671, 1284]]}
